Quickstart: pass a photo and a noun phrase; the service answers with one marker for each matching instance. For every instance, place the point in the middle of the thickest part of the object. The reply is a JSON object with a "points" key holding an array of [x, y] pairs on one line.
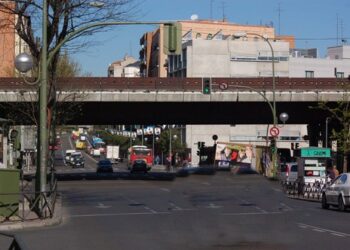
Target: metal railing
{"points": [[308, 191], [15, 244], [30, 205], [181, 84]]}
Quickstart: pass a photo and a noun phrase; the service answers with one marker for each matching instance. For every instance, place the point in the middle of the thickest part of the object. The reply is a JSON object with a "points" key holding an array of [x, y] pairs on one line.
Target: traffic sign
{"points": [[274, 131]]}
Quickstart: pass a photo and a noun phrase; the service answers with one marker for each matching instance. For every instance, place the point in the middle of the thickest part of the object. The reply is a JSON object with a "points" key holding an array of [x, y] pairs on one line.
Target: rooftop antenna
{"points": [[211, 9], [279, 18], [223, 5], [337, 29], [342, 31]]}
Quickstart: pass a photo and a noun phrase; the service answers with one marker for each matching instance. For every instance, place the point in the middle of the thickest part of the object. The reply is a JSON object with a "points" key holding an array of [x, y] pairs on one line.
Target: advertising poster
{"points": [[230, 155]]}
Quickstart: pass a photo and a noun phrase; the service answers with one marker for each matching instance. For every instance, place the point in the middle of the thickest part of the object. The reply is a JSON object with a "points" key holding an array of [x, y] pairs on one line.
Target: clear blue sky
{"points": [[312, 22]]}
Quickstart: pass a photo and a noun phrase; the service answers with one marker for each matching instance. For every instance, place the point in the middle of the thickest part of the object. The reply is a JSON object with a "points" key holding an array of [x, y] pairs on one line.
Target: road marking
{"points": [[277, 190], [206, 183], [101, 205], [260, 209], [115, 214], [287, 208], [320, 229], [165, 189], [213, 206], [175, 207], [151, 210], [257, 213]]}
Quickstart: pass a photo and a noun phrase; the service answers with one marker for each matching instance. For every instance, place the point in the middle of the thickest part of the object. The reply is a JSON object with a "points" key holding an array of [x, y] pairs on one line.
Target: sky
{"points": [[314, 23]]}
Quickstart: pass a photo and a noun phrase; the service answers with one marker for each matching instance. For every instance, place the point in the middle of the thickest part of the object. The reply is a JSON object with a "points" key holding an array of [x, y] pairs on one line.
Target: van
{"points": [[68, 154], [289, 171]]}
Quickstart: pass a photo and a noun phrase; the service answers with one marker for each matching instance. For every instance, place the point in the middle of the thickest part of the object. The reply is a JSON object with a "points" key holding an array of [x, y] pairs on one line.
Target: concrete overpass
{"points": [[181, 101]]}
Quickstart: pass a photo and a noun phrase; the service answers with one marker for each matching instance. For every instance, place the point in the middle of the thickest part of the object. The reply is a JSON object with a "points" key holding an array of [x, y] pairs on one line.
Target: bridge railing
{"points": [[182, 84]]}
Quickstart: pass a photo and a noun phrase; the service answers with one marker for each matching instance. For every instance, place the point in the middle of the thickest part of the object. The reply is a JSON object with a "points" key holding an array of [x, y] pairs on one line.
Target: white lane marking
{"points": [[257, 213], [336, 233], [165, 189], [114, 214], [101, 205], [260, 209], [206, 183], [174, 207], [151, 210], [144, 206], [277, 190], [287, 208], [213, 206], [318, 230]]}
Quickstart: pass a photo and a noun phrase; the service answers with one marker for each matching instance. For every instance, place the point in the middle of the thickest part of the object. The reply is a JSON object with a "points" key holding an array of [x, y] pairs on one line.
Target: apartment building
{"points": [[10, 43], [127, 67], [154, 62]]}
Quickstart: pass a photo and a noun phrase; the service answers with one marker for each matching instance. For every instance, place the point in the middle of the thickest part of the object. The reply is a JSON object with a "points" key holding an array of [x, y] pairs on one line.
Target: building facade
{"points": [[10, 43], [127, 67]]}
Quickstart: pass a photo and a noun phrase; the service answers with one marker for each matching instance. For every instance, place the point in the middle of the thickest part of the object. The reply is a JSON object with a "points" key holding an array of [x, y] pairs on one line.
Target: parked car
{"points": [[104, 166], [337, 193], [288, 172]]}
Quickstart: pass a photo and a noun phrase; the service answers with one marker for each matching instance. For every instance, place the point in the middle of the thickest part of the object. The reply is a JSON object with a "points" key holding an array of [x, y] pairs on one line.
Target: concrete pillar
{"points": [[313, 130]]}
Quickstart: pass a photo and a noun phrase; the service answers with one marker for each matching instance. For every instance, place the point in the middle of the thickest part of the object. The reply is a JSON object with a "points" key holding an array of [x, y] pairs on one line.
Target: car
{"points": [[77, 160], [288, 172], [337, 193], [104, 166], [68, 154]]}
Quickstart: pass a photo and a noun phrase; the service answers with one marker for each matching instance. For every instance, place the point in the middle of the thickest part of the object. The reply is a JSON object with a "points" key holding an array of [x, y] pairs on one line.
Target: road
{"points": [[220, 211]]}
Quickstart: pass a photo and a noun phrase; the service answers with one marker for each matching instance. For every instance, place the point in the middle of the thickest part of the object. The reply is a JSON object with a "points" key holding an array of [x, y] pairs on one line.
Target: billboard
{"points": [[229, 155]]}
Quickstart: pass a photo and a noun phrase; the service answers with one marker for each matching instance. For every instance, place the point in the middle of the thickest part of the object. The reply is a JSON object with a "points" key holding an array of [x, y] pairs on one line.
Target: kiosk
{"points": [[312, 164]]}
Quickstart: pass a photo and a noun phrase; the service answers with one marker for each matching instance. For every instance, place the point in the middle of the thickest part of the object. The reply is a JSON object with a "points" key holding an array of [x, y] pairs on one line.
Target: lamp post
{"points": [[45, 60], [274, 155], [326, 134]]}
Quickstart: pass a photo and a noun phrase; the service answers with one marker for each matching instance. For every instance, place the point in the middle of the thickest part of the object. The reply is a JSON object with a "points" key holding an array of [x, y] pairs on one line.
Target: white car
{"points": [[288, 172], [68, 154], [337, 193]]}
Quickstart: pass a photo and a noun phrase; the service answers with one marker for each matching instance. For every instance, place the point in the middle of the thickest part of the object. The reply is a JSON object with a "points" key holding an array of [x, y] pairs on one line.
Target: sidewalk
{"points": [[35, 223]]}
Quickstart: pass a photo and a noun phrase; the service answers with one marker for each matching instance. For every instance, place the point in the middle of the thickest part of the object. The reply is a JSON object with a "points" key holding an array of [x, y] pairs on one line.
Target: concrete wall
{"points": [[322, 67], [243, 134], [232, 58]]}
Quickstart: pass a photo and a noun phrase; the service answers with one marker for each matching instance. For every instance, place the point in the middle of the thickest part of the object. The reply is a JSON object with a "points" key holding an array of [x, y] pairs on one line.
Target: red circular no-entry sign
{"points": [[274, 131]]}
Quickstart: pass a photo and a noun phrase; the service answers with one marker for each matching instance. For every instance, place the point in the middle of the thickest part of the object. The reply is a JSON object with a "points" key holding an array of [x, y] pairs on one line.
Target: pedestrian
{"points": [[157, 160], [331, 173], [335, 171]]}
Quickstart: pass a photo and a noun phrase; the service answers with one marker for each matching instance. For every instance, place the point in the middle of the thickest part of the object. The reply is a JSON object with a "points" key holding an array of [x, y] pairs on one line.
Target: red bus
{"points": [[140, 158]]}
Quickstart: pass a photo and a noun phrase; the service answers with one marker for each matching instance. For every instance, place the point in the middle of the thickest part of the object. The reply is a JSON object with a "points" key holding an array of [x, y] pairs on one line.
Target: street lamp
{"points": [[284, 117], [238, 35]]}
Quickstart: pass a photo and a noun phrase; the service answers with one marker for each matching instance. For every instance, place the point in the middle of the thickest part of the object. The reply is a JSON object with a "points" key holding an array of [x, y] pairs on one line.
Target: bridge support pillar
{"points": [[313, 131]]}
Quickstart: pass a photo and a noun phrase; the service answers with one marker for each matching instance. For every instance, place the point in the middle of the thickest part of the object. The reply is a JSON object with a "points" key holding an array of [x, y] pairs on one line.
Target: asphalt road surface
{"points": [[220, 211]]}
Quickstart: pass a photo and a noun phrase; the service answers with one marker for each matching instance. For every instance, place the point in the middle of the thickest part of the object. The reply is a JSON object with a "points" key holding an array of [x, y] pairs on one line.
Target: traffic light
{"points": [[206, 86], [201, 144], [273, 145], [15, 139], [172, 39]]}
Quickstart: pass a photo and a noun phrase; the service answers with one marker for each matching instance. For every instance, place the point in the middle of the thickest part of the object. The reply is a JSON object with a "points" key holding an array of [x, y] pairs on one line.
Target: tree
{"points": [[340, 112], [176, 145], [64, 18]]}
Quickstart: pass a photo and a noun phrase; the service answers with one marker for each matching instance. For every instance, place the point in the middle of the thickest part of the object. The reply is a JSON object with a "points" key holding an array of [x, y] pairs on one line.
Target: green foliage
{"points": [[176, 145], [67, 67]]}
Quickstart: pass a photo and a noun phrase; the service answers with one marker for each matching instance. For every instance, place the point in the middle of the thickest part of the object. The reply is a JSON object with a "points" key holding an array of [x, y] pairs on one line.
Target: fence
{"points": [[31, 205], [308, 191]]}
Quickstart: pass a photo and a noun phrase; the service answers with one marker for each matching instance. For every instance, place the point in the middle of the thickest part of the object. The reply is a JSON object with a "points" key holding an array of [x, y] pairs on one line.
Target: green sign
{"points": [[315, 152]]}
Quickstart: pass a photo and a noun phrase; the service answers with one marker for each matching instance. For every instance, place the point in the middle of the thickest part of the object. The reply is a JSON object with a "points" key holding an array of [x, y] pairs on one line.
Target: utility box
{"points": [[9, 192]]}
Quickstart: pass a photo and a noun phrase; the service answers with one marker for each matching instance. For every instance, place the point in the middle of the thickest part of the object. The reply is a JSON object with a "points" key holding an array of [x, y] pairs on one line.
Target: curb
{"points": [[55, 220], [303, 199]]}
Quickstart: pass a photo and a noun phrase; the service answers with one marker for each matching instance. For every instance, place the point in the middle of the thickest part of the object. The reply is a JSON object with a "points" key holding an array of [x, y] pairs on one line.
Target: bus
{"points": [[140, 158]]}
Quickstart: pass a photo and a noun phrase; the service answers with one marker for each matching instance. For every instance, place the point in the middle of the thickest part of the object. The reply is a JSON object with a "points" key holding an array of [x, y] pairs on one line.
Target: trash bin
{"points": [[9, 183]]}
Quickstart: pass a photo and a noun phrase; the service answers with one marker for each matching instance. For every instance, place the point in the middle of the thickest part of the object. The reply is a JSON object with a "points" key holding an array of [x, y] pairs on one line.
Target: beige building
{"points": [[154, 60], [127, 67]]}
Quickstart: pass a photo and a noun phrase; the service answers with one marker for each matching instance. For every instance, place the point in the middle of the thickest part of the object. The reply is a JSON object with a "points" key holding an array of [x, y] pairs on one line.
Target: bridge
{"points": [[180, 100]]}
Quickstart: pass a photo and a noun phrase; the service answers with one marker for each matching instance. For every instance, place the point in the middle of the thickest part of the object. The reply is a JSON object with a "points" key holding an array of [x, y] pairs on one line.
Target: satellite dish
{"points": [[194, 17]]}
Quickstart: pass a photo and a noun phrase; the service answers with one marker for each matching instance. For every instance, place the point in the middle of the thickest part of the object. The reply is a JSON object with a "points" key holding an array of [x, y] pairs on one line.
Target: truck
{"points": [[113, 153], [98, 143]]}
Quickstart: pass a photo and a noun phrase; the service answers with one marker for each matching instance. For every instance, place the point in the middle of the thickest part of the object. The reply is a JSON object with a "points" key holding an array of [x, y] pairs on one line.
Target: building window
{"points": [[309, 74], [339, 75]]}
